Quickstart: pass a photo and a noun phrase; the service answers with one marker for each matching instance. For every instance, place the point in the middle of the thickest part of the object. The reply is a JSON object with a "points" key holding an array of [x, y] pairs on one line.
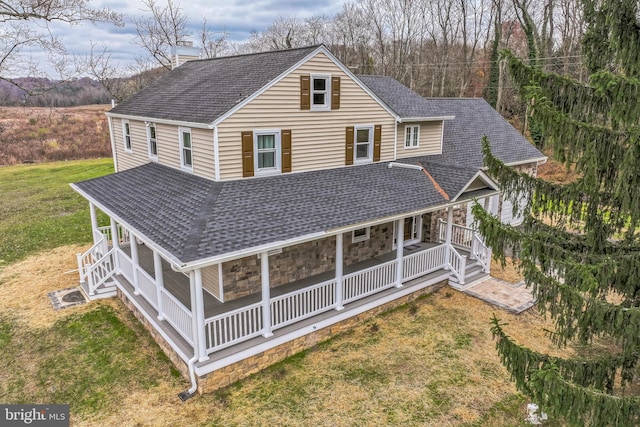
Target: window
{"points": [[126, 135], [151, 140], [186, 149], [267, 152], [411, 136], [320, 90], [364, 144], [360, 235]]}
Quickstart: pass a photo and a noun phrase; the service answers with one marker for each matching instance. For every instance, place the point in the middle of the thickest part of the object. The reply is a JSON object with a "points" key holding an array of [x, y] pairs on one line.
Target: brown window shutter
{"points": [[286, 151], [377, 142], [349, 146], [335, 93], [247, 153], [305, 92]]}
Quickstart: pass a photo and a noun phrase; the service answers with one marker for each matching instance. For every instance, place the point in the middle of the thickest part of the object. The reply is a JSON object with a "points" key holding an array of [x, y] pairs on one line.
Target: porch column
{"points": [[135, 261], [266, 295], [157, 269], [339, 272], [447, 254], [115, 241], [94, 221], [399, 251], [195, 333], [197, 311]]}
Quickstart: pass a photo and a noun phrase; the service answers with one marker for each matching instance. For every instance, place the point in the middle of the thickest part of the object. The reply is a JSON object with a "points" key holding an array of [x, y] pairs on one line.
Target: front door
{"points": [[411, 231]]}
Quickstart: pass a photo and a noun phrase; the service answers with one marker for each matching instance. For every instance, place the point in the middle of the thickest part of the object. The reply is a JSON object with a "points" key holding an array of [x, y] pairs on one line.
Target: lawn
{"points": [[38, 209], [429, 363]]}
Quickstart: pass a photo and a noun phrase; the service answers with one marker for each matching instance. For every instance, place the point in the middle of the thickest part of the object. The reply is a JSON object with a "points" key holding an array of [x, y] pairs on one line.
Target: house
{"points": [[263, 202]]}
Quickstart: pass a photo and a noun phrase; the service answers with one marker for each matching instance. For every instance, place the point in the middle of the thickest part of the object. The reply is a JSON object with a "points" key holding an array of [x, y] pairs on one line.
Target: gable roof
{"points": [[193, 219], [203, 90], [472, 118], [407, 104]]}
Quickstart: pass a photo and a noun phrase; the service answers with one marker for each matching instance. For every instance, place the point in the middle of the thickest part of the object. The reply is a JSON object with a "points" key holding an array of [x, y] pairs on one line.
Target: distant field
{"points": [[38, 209], [34, 135]]}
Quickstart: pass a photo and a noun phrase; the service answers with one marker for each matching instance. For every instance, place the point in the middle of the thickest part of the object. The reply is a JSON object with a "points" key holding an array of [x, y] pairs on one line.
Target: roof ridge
{"points": [[267, 52]]}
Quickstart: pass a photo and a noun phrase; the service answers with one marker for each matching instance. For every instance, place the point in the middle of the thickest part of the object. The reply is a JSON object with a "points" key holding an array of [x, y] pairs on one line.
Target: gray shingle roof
{"points": [[474, 118], [194, 218], [203, 90]]}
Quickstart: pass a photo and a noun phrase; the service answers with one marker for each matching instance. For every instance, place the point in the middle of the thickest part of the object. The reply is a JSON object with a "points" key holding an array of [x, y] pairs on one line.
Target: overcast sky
{"points": [[238, 17]]}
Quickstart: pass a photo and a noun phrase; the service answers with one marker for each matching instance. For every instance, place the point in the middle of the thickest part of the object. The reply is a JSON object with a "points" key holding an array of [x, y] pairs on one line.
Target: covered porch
{"points": [[198, 325]]}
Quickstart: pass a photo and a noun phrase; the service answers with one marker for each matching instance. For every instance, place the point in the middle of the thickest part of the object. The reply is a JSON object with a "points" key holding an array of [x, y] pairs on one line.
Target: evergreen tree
{"points": [[579, 246]]}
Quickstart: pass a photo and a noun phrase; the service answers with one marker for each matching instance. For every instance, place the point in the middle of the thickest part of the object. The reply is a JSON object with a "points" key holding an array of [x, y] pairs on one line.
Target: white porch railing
{"points": [[362, 283], [425, 262], [147, 286], [301, 304], [96, 265], [481, 253], [233, 327], [177, 315], [457, 264], [461, 236], [126, 265], [123, 234]]}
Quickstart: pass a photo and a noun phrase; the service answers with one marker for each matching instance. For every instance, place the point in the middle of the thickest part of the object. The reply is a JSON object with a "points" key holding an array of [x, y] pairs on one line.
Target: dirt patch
{"points": [[25, 285]]}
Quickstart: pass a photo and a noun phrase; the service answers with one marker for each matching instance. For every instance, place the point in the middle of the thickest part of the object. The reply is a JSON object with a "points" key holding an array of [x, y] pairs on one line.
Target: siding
{"points": [[430, 141], [210, 280], [168, 143], [139, 154], [318, 137]]}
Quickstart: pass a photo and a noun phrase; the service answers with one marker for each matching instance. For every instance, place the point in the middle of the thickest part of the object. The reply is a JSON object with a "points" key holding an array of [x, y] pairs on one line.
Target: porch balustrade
{"points": [[244, 323]]}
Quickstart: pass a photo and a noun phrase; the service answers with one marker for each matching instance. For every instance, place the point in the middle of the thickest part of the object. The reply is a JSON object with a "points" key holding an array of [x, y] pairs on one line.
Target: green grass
{"points": [[86, 360], [38, 209]]}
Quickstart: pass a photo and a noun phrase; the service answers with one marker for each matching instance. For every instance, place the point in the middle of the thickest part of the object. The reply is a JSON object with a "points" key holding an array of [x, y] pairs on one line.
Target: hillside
{"points": [[43, 92], [33, 135]]}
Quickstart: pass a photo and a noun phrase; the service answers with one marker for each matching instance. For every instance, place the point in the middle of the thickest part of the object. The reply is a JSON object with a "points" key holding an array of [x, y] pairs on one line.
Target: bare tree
{"points": [[160, 29], [213, 43], [18, 32]]}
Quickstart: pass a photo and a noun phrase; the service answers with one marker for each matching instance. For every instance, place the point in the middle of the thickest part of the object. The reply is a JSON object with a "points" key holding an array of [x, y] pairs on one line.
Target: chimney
{"points": [[182, 52]]}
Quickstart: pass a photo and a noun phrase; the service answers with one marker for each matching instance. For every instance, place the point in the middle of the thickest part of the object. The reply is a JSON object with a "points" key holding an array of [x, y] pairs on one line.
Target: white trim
{"points": [[181, 132], [320, 49], [414, 136], [220, 282], [425, 119], [366, 236], [216, 153], [126, 134], [338, 316], [405, 165], [149, 125], [277, 150], [113, 144], [441, 137], [327, 92], [395, 141], [158, 120], [369, 158], [539, 161], [484, 177]]}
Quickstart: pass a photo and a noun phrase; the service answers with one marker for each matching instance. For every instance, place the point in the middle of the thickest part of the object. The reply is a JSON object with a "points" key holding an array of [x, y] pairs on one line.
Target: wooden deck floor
{"points": [[178, 283]]}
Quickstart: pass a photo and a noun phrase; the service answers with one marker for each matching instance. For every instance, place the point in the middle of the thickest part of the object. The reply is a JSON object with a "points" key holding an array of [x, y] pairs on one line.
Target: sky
{"points": [[238, 17]]}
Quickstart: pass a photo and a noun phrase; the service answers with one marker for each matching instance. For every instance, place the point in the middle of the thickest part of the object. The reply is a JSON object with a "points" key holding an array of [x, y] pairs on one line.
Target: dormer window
{"points": [[320, 89]]}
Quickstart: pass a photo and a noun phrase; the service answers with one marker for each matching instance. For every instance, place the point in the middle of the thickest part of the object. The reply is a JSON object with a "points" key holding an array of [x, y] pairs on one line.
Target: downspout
{"points": [[189, 393]]}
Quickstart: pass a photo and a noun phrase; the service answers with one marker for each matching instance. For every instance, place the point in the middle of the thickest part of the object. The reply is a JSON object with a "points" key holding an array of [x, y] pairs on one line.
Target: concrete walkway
{"points": [[515, 298]]}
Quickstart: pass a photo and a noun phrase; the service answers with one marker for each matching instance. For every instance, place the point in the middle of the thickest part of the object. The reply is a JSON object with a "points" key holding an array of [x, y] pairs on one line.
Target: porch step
{"points": [[473, 275], [106, 290]]}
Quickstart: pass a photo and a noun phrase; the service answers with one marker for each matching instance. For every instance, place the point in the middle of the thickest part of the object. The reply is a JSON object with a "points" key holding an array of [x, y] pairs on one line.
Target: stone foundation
{"points": [[164, 345], [230, 374]]}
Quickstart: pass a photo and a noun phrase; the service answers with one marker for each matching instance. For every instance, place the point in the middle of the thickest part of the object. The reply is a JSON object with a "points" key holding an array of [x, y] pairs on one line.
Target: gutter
{"points": [[190, 392], [425, 119]]}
